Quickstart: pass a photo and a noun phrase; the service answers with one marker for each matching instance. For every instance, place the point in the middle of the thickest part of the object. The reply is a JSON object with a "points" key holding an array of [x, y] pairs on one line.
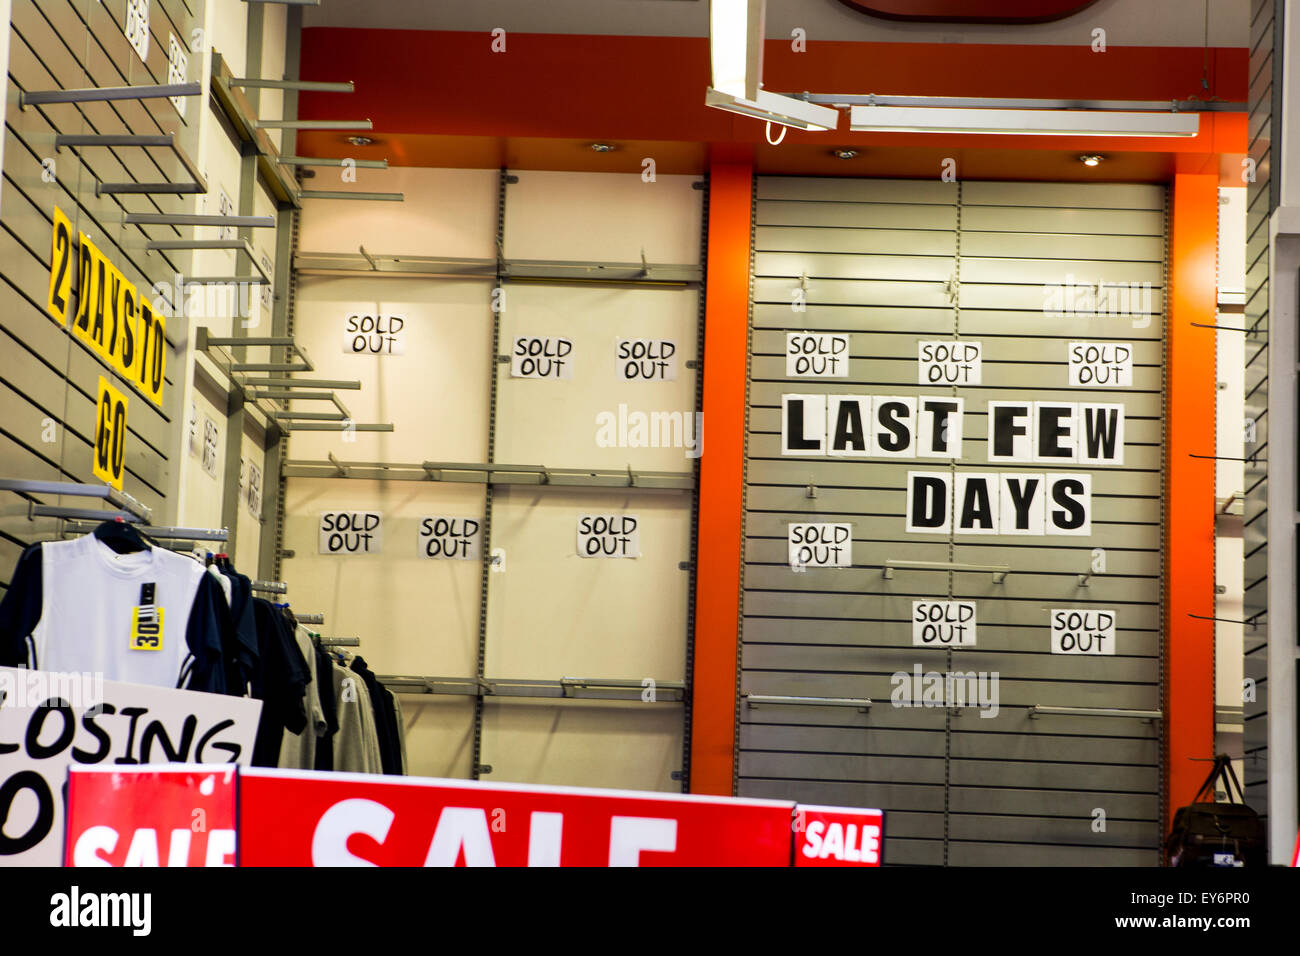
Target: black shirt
{"points": [[279, 682]]}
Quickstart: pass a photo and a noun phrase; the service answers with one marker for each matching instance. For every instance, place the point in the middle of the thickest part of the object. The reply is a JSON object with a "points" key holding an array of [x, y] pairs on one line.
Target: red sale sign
{"points": [[300, 818], [838, 836], [151, 816]]}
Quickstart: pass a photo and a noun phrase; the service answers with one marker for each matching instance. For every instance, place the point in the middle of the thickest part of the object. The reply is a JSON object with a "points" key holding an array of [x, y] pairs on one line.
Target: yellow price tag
{"points": [[146, 628]]}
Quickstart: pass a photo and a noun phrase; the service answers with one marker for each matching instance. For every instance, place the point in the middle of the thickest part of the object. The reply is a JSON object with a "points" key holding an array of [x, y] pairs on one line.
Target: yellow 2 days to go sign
{"points": [[109, 463], [60, 269], [111, 316]]}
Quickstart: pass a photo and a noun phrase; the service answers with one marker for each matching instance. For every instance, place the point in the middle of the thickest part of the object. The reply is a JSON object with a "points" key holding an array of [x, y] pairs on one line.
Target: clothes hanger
{"points": [[121, 537]]}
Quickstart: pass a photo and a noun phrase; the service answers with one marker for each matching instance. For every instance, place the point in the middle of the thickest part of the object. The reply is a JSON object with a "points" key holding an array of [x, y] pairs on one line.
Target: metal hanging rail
{"points": [[196, 219], [539, 270], [312, 124], [238, 245], [345, 194], [35, 511], [161, 532], [310, 618], [115, 498], [330, 263], [759, 700], [252, 388], [999, 571], [984, 102], [103, 93], [341, 426], [339, 641], [197, 183], [572, 688], [485, 473], [204, 342], [1044, 710], [329, 161], [300, 383], [270, 587], [314, 86], [239, 111]]}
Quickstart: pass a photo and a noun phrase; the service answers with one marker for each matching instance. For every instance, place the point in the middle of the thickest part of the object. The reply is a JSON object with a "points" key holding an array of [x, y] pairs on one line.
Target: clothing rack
{"points": [[310, 618], [270, 587], [339, 641], [160, 532]]}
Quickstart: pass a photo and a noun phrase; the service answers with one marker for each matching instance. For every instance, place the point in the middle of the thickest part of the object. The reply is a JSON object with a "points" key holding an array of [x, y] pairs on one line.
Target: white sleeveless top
{"points": [[89, 596]]}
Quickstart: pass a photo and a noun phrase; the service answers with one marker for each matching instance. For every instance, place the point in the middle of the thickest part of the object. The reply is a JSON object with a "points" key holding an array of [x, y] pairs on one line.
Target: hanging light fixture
{"points": [[1020, 122], [736, 58]]}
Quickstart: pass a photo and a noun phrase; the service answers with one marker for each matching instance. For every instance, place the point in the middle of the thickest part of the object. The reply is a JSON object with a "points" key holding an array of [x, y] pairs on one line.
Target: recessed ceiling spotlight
{"points": [[844, 153], [1091, 159], [361, 141], [603, 147]]}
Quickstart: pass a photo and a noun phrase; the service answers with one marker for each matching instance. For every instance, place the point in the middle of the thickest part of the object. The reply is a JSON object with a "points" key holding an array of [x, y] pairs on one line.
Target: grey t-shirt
{"points": [[356, 745], [298, 751]]}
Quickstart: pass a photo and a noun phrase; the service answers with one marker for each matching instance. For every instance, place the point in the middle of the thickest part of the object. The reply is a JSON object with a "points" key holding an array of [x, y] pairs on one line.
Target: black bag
{"points": [[1209, 834]]}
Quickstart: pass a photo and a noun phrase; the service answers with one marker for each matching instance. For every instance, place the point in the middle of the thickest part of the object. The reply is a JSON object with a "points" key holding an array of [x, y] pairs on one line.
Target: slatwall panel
{"points": [[46, 374], [1262, 197], [553, 614], [959, 788]]}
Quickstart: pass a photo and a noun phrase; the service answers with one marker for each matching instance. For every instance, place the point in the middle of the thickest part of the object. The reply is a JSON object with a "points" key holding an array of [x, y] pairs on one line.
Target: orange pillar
{"points": [[1189, 487], [722, 470]]}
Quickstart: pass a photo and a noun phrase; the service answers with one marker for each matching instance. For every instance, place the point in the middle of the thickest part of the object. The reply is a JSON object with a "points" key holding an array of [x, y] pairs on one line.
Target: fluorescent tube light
{"points": [[908, 119], [775, 108], [736, 46]]}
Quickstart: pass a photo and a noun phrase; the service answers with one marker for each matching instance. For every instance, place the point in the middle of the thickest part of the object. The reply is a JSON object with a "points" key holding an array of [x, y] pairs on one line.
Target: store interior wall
{"points": [[1229, 477], [51, 376], [413, 618], [549, 614], [224, 309], [1011, 786], [1261, 553]]}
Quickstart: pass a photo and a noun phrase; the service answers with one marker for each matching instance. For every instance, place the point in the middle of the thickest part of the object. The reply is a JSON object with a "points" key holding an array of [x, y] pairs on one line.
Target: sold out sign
{"points": [[609, 536], [943, 623], [816, 355], [821, 545], [646, 360], [351, 532], [541, 357], [1082, 631], [374, 335], [949, 363]]}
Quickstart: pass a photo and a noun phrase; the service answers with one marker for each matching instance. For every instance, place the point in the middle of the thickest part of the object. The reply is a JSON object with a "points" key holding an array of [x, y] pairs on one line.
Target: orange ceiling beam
{"points": [[420, 84]]}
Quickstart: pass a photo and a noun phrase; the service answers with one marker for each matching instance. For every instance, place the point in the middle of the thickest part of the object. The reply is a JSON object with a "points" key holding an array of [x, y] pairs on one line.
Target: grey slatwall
{"points": [[45, 373], [1262, 199], [958, 788]]}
